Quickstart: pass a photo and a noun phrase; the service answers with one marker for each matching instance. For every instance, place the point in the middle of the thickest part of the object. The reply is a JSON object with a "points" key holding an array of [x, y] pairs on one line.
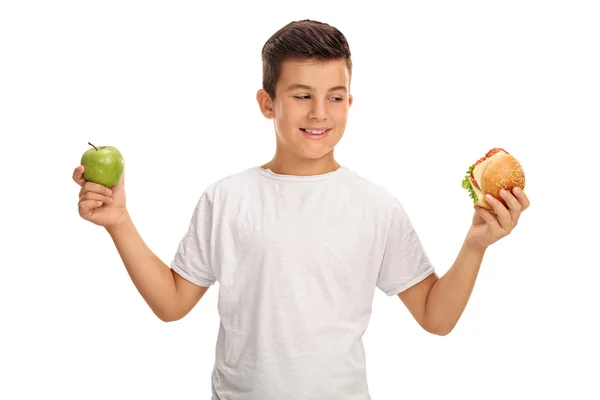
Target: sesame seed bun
{"points": [[504, 172]]}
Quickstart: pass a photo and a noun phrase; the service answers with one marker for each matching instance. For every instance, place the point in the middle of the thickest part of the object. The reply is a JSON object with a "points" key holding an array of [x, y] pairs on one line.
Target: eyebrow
{"points": [[295, 86]]}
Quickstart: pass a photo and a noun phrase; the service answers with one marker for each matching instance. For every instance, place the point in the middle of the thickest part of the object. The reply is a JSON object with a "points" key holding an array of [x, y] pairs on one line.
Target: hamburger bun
{"points": [[496, 170]]}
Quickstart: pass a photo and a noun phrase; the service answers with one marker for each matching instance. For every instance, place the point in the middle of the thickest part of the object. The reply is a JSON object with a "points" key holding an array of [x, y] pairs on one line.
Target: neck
{"points": [[294, 165]]}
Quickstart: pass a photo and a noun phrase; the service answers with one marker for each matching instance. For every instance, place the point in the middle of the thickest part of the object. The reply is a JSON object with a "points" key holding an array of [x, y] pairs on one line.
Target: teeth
{"points": [[315, 132]]}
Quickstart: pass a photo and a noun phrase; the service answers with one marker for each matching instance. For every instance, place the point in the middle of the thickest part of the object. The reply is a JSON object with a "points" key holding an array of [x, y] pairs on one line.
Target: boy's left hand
{"points": [[488, 227]]}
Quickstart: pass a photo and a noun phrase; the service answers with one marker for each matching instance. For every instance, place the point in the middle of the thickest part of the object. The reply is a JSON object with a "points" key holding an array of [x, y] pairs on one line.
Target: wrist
{"points": [[474, 247], [122, 222]]}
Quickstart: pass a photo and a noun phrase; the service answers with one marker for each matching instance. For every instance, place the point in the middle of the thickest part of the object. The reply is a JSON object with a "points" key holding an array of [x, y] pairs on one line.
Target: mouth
{"points": [[315, 133]]}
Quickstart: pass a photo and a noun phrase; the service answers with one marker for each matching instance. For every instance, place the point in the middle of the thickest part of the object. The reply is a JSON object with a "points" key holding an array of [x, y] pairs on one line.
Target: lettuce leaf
{"points": [[466, 184]]}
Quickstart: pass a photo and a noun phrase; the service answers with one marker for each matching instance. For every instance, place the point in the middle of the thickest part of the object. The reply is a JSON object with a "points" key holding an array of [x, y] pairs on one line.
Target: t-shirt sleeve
{"points": [[192, 259], [405, 262]]}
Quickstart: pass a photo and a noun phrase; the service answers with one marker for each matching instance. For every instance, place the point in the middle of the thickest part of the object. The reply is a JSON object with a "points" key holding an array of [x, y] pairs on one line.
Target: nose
{"points": [[317, 110]]}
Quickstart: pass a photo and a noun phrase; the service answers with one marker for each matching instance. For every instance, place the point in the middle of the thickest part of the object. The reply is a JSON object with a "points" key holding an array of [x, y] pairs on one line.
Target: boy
{"points": [[299, 244]]}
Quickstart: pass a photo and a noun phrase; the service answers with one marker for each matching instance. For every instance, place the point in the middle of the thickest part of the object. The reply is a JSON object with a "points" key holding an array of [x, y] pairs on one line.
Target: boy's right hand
{"points": [[99, 204]]}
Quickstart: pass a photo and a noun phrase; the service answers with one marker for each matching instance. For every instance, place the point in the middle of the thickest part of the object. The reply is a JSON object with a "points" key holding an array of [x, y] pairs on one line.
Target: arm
{"points": [[170, 296], [438, 303]]}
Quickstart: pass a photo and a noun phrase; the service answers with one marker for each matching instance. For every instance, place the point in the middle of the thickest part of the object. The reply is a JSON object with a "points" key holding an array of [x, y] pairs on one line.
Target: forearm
{"points": [[152, 277], [450, 294]]}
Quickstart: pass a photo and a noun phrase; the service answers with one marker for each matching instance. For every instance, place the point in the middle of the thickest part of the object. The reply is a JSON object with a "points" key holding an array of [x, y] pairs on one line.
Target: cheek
{"points": [[286, 122], [340, 115], [290, 116]]}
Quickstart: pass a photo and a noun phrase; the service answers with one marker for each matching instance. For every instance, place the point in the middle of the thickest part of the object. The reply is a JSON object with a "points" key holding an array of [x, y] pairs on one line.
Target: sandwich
{"points": [[496, 170]]}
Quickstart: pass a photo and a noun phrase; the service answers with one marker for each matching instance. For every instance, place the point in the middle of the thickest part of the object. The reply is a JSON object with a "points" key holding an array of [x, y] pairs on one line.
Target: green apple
{"points": [[103, 165]]}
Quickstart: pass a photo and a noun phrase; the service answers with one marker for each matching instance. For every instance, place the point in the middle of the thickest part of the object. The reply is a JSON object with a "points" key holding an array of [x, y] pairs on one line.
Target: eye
{"points": [[336, 99]]}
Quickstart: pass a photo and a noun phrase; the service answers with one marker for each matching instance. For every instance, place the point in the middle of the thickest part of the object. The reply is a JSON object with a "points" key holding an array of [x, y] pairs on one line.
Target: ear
{"points": [[265, 103], [350, 100]]}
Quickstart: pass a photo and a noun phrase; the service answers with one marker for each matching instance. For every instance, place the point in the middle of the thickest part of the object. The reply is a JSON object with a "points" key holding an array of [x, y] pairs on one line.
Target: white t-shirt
{"points": [[297, 259]]}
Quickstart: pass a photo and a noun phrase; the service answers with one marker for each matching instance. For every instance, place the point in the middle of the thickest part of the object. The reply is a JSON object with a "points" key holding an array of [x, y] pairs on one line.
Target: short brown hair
{"points": [[304, 39]]}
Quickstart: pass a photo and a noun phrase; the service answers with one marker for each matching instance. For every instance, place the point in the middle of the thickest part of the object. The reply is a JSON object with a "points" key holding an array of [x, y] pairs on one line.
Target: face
{"points": [[311, 106]]}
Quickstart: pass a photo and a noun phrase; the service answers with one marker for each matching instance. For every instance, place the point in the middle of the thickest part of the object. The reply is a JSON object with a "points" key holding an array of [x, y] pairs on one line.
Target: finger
{"points": [[502, 213], [78, 175], [94, 188], [489, 218], [96, 196], [514, 206], [522, 197], [86, 206]]}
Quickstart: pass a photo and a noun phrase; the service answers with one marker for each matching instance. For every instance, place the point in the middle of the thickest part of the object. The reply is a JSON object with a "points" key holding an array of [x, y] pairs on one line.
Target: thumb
{"points": [[477, 218], [121, 185], [122, 181], [486, 215]]}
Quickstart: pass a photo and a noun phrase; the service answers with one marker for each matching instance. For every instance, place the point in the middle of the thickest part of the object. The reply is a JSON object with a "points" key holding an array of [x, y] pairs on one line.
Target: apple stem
{"points": [[93, 146]]}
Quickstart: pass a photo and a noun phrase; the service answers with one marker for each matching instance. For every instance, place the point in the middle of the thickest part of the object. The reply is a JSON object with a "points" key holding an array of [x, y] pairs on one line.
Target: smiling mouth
{"points": [[315, 131]]}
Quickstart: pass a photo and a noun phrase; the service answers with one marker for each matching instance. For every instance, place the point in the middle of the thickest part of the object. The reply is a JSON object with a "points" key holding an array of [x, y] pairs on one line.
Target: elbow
{"points": [[167, 318], [439, 329], [168, 315]]}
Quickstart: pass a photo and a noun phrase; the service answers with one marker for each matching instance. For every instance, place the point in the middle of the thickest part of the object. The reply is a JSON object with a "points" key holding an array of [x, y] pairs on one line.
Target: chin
{"points": [[315, 155]]}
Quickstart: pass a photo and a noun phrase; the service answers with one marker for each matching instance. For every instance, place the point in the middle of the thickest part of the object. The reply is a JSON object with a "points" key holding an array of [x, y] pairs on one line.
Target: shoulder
{"points": [[387, 205], [233, 185], [369, 192]]}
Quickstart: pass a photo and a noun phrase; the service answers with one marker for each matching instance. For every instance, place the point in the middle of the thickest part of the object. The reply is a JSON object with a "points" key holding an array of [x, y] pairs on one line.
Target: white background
{"points": [[172, 85]]}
